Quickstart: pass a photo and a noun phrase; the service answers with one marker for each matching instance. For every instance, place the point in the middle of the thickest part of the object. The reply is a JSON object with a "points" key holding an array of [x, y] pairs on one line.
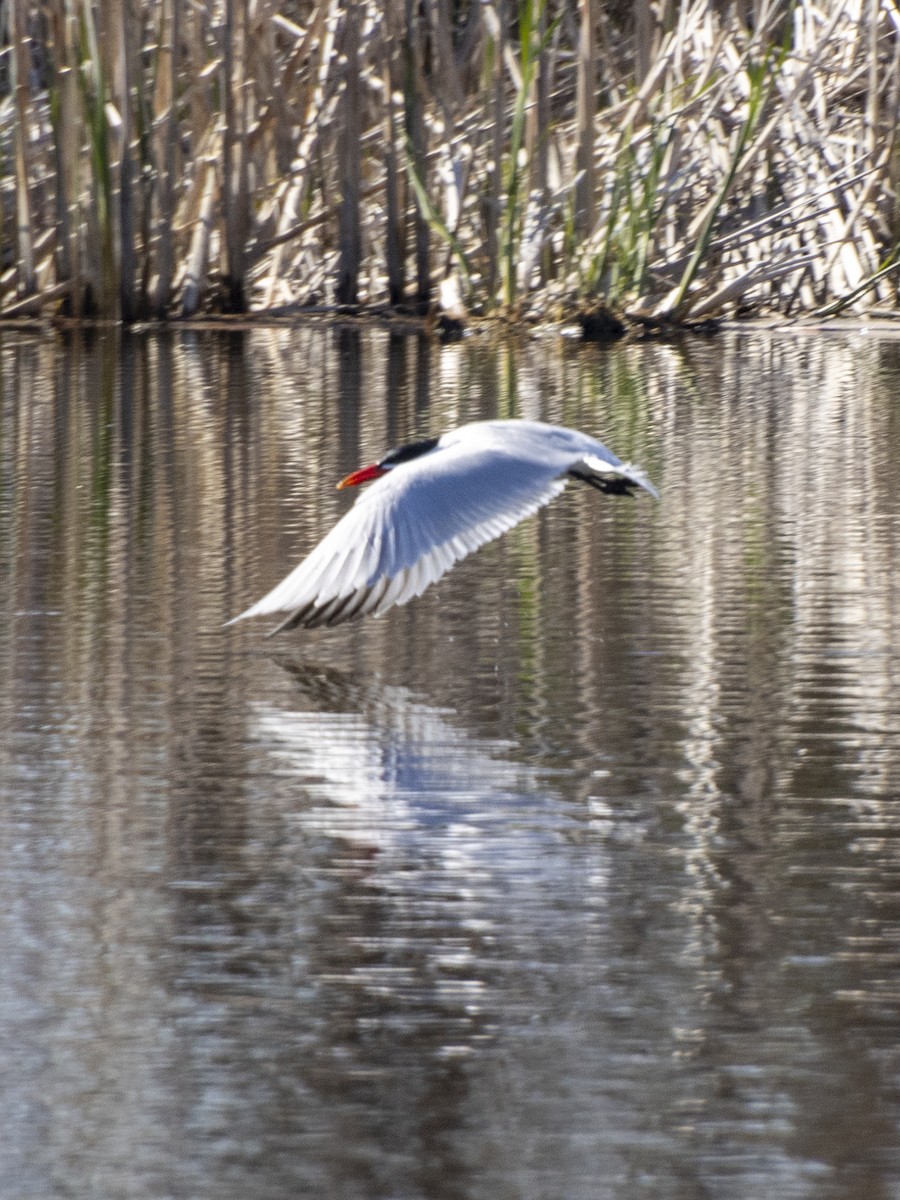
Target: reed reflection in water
{"points": [[576, 877]]}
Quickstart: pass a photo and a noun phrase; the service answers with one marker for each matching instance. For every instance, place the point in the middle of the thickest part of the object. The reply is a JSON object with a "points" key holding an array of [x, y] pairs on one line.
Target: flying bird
{"points": [[432, 503]]}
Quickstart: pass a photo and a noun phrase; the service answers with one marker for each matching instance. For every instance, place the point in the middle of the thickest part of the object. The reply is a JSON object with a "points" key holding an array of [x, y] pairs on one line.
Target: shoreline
{"points": [[883, 323]]}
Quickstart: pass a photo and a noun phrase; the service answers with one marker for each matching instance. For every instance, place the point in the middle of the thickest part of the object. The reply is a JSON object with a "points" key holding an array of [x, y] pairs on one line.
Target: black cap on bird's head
{"points": [[392, 459]]}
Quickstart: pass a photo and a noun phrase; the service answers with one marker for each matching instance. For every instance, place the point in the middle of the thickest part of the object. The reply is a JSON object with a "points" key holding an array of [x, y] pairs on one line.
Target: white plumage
{"points": [[431, 505]]}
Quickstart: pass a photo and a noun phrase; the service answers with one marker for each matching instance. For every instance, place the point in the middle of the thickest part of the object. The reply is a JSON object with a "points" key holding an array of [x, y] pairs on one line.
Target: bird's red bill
{"points": [[363, 475]]}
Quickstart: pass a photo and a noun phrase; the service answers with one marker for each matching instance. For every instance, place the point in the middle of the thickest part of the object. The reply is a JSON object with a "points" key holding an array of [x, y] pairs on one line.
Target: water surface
{"points": [[577, 877]]}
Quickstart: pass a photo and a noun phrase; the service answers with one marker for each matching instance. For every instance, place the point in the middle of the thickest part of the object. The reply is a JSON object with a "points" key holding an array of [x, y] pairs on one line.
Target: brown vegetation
{"points": [[533, 159]]}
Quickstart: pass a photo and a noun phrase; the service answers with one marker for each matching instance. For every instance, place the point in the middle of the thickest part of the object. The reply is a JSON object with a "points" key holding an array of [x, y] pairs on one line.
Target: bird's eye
{"points": [[406, 453]]}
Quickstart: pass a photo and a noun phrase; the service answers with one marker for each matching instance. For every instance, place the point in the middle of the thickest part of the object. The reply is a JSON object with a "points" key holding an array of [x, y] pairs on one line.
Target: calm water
{"points": [[576, 879]]}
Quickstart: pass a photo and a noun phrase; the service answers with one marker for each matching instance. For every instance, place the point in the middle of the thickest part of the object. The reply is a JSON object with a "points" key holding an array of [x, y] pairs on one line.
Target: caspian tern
{"points": [[434, 502]]}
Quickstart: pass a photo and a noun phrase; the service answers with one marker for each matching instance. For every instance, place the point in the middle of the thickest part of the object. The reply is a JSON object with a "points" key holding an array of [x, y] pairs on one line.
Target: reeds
{"points": [[524, 157]]}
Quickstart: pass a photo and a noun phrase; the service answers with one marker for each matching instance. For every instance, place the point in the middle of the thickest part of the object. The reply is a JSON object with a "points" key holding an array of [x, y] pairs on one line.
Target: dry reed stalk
{"points": [[261, 92], [166, 103], [417, 149], [873, 82], [446, 83], [20, 62], [395, 192], [198, 257], [585, 110], [537, 126], [453, 155], [120, 21], [493, 120], [99, 254], [234, 156], [645, 37], [537, 154], [30, 306], [349, 138], [64, 108]]}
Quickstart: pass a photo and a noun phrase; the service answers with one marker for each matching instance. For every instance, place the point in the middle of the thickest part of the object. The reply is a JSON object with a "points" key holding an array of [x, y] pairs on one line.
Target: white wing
{"points": [[412, 525]]}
